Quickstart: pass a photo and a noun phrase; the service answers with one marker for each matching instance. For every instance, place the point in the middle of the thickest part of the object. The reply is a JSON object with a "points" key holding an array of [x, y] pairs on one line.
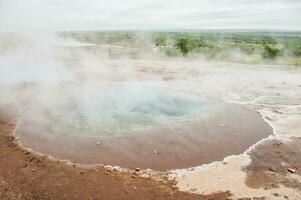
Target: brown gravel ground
{"points": [[275, 162]]}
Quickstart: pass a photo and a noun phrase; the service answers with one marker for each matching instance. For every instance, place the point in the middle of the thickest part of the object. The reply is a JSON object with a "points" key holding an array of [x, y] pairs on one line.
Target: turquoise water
{"points": [[114, 109]]}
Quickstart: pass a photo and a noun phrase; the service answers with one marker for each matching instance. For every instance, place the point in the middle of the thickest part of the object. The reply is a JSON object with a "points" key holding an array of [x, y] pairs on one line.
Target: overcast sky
{"points": [[29, 15]]}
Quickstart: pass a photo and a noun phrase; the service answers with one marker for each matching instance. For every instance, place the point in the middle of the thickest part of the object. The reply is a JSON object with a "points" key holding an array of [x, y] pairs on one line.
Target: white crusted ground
{"points": [[274, 91]]}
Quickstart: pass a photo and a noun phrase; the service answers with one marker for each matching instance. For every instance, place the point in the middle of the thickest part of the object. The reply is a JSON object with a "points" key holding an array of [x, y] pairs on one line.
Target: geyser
{"points": [[137, 126], [113, 109]]}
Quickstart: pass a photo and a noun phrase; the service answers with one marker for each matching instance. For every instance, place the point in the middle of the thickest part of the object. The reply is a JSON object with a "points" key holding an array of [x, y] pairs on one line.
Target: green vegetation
{"points": [[247, 47], [270, 52]]}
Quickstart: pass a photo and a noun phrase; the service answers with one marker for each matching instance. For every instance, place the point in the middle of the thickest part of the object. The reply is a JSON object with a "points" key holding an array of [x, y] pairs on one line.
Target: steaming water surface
{"points": [[112, 110], [125, 124]]}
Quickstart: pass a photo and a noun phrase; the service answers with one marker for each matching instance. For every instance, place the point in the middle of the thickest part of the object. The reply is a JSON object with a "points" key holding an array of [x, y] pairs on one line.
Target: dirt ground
{"points": [[273, 163]]}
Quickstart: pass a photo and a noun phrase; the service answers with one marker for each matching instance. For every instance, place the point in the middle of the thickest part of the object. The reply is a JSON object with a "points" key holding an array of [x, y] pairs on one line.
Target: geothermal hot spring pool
{"points": [[137, 126]]}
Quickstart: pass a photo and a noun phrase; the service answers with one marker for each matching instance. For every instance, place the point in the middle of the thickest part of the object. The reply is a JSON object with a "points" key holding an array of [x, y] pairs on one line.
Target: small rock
{"points": [[222, 125], [156, 152], [10, 138], [98, 143], [137, 169], [25, 165], [272, 169], [174, 187], [268, 118], [133, 176], [145, 175], [32, 170], [278, 144], [32, 158], [81, 172], [110, 170], [291, 170], [277, 111]]}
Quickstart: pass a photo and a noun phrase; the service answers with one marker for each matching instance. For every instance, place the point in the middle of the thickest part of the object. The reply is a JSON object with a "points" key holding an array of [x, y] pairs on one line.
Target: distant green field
{"points": [[234, 46]]}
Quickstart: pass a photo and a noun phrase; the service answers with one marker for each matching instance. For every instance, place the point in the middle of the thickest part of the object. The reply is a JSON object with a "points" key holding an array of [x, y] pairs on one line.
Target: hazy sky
{"points": [[20, 15]]}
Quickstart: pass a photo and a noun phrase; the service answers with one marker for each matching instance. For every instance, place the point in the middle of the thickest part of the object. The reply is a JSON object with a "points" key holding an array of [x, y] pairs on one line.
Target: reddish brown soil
{"points": [[272, 162], [27, 176]]}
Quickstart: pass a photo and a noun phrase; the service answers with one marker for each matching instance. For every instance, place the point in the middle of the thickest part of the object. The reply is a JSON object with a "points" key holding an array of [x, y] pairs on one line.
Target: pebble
{"points": [[145, 175], [291, 170], [156, 152], [98, 143], [268, 118], [272, 169], [110, 170], [174, 187]]}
